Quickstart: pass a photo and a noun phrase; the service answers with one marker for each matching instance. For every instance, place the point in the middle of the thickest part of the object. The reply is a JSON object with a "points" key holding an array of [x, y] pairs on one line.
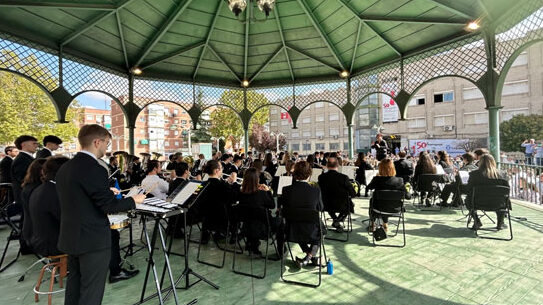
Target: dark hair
{"points": [[51, 139], [111, 159], [302, 170], [469, 157], [21, 139], [310, 159], [181, 168], [402, 154], [33, 173], [89, 133], [426, 164], [8, 149], [268, 162], [332, 162], [211, 166], [444, 156], [250, 181], [151, 165], [170, 157], [51, 167], [257, 164], [480, 151], [360, 159], [288, 167], [237, 158]]}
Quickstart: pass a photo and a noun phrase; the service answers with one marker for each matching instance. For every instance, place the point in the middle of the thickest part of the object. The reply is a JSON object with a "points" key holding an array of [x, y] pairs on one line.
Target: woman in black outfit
{"points": [[425, 165], [45, 210], [385, 180], [360, 177], [31, 181], [302, 195], [268, 163], [253, 194]]}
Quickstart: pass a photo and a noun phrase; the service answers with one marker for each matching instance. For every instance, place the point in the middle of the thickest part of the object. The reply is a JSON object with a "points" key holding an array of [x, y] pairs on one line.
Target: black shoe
{"points": [[501, 226], [428, 204], [315, 261], [336, 224], [123, 275], [477, 225]]}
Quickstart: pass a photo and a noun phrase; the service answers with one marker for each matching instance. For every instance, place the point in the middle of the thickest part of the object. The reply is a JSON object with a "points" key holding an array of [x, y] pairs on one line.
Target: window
{"points": [[509, 114], [443, 120], [417, 100], [334, 132], [306, 133], [334, 146], [176, 121], [475, 118], [176, 133], [416, 123], [319, 118], [319, 104], [273, 123], [142, 131], [319, 133], [176, 143], [175, 111], [444, 97], [295, 147], [319, 146], [273, 111], [90, 117], [517, 87], [284, 122], [306, 120], [472, 93], [345, 145], [166, 132], [166, 143], [333, 117], [307, 146], [295, 134]]}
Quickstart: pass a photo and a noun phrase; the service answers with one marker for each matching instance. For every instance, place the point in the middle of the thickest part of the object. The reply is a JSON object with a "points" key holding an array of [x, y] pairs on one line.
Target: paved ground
{"points": [[443, 263]]}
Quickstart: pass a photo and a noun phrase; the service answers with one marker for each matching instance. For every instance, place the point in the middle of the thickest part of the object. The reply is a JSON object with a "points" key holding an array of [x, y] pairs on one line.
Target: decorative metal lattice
{"points": [[333, 92], [205, 96], [84, 76], [29, 59], [385, 79], [147, 91], [518, 30], [465, 58], [281, 96]]}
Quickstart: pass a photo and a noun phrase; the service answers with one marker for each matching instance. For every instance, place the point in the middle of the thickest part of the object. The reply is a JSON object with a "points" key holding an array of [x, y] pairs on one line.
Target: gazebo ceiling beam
{"points": [[356, 45], [322, 33], [313, 58], [246, 51], [445, 4], [163, 29], [208, 37], [384, 39], [121, 37], [412, 20], [92, 23], [59, 5], [172, 55], [224, 62], [267, 62], [280, 28]]}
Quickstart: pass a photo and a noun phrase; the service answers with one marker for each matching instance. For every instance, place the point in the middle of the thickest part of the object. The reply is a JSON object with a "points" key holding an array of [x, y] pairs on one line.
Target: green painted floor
{"points": [[443, 263]]}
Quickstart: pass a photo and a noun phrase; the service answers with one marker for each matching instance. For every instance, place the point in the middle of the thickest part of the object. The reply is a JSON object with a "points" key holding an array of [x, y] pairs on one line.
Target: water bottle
{"points": [[329, 267]]}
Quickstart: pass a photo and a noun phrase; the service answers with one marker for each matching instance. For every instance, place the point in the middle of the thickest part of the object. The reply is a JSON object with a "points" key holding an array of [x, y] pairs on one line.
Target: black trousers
{"points": [[115, 260], [338, 216], [310, 248], [87, 277]]}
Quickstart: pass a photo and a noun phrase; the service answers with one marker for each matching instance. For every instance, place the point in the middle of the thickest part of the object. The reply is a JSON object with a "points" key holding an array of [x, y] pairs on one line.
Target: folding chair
{"points": [[252, 220], [491, 198], [6, 214], [214, 224], [428, 183], [390, 203], [349, 225], [294, 216]]}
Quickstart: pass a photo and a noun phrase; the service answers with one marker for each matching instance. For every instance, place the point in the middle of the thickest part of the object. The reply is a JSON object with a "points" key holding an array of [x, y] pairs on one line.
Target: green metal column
{"points": [[494, 131], [131, 125], [351, 147], [349, 115], [246, 139]]}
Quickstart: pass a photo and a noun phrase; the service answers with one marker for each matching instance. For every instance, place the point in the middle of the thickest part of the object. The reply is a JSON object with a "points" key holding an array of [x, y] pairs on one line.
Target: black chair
{"points": [[10, 218], [215, 223], [348, 226], [491, 198], [294, 216], [428, 183], [389, 203], [255, 223]]}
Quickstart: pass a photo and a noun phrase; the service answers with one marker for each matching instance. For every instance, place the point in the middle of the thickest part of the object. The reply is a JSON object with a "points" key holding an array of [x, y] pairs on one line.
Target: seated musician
{"points": [[336, 191], [403, 167], [263, 176], [302, 195], [153, 183], [181, 174], [486, 174], [236, 165], [216, 199], [289, 167], [424, 166], [226, 163], [31, 181], [311, 160], [254, 194], [361, 166], [456, 187], [384, 181]]}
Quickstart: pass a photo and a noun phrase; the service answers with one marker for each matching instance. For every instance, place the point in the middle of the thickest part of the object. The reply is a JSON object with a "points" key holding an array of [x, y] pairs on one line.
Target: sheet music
{"points": [[116, 218], [370, 174], [205, 177], [464, 176], [185, 193], [350, 171], [440, 170], [315, 175], [283, 181], [280, 170]]}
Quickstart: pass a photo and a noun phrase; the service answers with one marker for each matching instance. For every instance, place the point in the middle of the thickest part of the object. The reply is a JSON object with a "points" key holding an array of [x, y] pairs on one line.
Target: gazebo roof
{"points": [[202, 41]]}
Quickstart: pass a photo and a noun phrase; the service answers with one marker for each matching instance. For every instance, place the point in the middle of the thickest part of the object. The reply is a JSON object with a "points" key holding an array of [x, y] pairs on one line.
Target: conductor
{"points": [[85, 200]]}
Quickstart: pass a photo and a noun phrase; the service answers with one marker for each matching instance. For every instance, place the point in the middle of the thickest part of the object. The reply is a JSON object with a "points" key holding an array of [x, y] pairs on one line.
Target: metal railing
{"points": [[526, 181]]}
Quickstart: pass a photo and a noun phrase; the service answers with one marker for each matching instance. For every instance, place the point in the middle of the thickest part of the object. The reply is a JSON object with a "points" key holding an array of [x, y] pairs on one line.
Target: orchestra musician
{"points": [[152, 183], [181, 175], [236, 165], [50, 144], [85, 200], [381, 147], [30, 183], [362, 165]]}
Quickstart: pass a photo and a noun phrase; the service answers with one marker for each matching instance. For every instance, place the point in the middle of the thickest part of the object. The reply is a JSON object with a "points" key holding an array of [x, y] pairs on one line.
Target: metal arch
{"points": [[92, 23], [208, 37], [163, 29], [172, 55], [280, 28], [321, 32], [445, 4], [121, 36], [163, 101], [59, 5]]}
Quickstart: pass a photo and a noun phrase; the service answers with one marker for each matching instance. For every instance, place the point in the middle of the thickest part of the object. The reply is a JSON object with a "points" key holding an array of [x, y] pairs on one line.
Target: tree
{"points": [[518, 129], [201, 134], [26, 109], [261, 139]]}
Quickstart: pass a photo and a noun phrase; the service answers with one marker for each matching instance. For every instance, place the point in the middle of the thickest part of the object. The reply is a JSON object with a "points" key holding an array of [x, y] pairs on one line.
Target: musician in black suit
{"points": [[404, 168], [362, 165], [486, 174], [385, 180], [236, 165], [337, 190], [302, 195], [85, 200], [456, 187], [50, 144], [181, 175], [5, 164], [31, 182]]}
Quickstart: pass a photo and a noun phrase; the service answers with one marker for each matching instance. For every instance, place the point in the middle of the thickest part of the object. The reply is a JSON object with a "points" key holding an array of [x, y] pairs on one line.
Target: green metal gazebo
{"points": [[190, 52]]}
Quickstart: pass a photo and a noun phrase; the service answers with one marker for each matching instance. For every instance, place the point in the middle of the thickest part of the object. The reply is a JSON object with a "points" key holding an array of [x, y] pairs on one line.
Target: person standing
{"points": [[381, 147], [538, 155], [85, 200], [529, 152], [5, 164], [50, 144]]}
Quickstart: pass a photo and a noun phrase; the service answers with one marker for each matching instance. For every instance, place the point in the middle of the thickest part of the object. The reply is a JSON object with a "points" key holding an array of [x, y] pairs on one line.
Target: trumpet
{"points": [[225, 177]]}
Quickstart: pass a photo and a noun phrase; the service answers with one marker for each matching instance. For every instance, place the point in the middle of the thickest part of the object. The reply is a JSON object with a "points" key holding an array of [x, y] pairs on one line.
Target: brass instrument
{"points": [[225, 177], [156, 155], [145, 157]]}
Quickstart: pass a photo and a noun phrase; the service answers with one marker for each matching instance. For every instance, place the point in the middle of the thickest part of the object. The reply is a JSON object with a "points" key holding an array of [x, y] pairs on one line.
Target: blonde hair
{"points": [[488, 167]]}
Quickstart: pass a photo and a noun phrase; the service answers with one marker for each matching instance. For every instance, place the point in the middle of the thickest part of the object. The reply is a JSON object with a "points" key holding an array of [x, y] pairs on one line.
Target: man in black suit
{"points": [[404, 168], [337, 191], [85, 200], [5, 164], [236, 164], [381, 147], [50, 144]]}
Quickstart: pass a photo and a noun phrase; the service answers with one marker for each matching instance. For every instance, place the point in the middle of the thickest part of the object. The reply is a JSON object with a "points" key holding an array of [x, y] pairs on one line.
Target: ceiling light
{"points": [[136, 71], [245, 83], [474, 25], [266, 6], [344, 74], [237, 6]]}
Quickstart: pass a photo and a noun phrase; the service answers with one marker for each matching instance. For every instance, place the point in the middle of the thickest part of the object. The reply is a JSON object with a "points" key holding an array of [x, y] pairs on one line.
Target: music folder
{"points": [[186, 191]]}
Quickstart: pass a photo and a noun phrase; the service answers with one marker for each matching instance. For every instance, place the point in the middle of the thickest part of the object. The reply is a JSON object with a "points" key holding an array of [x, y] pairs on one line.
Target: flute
{"points": [[225, 177]]}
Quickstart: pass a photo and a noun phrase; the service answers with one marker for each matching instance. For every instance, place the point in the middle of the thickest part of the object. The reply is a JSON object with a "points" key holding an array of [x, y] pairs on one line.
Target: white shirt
{"points": [[90, 154], [26, 152], [161, 188]]}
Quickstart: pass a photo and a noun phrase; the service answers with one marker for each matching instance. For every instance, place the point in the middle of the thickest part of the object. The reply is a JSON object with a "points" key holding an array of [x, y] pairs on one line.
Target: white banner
{"points": [[389, 108], [455, 147]]}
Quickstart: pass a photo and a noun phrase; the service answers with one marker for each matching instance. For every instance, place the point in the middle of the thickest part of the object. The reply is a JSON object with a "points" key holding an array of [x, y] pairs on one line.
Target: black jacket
{"points": [[404, 169], [361, 172], [5, 169], [45, 214], [27, 191], [260, 199], [43, 153], [476, 178], [302, 195], [336, 190], [174, 184], [380, 183], [18, 171], [381, 149], [85, 200], [214, 202]]}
